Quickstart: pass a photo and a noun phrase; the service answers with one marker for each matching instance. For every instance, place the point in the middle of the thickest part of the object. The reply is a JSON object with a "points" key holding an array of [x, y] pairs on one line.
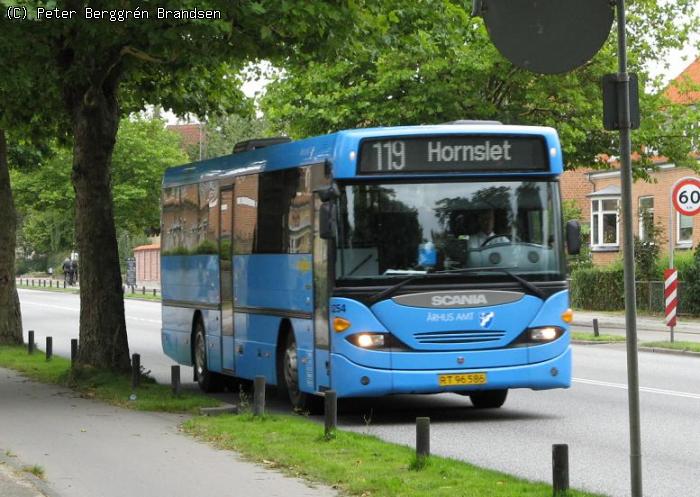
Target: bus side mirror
{"points": [[573, 237], [327, 220]]}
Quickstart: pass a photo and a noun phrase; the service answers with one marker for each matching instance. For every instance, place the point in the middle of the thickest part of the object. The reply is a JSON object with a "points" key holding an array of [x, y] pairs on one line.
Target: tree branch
{"points": [[140, 54]]}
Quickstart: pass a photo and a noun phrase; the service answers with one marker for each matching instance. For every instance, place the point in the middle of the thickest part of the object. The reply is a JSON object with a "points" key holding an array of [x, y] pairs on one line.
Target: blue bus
{"points": [[417, 259]]}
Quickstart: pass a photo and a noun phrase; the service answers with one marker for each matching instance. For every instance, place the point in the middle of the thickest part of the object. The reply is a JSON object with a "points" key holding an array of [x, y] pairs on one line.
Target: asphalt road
{"points": [[591, 416]]}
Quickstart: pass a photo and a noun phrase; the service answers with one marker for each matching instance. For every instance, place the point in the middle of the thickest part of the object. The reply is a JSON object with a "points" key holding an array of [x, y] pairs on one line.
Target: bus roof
{"points": [[340, 149]]}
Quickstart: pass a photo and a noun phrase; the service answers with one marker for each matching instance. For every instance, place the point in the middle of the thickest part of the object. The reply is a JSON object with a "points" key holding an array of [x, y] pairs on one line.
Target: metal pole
{"points": [[628, 251], [671, 239]]}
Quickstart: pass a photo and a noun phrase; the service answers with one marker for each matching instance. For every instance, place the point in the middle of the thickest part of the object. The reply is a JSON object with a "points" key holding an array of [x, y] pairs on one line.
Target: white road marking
{"points": [[76, 311], [623, 386]]}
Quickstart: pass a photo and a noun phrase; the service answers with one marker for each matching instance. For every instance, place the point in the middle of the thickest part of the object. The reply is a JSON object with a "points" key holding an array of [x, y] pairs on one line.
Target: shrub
{"points": [[598, 289]]}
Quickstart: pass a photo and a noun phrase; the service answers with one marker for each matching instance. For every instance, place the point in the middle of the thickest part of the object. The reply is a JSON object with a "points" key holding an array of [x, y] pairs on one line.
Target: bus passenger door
{"points": [[226, 279]]}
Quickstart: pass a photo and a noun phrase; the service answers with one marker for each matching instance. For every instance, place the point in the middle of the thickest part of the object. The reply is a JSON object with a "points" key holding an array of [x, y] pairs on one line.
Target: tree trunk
{"points": [[95, 118], [10, 313]]}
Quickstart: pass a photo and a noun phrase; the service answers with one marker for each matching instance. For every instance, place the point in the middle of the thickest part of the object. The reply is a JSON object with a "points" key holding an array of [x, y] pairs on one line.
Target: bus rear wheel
{"points": [[208, 381], [301, 401], [488, 399]]}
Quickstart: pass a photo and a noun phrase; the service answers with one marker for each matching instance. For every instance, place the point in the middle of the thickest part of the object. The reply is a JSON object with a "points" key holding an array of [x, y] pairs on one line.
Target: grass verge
{"points": [[590, 337], [137, 295], [684, 346], [356, 464], [107, 386]]}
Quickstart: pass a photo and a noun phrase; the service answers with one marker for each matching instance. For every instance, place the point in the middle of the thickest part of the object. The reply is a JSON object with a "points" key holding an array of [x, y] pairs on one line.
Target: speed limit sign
{"points": [[686, 196]]}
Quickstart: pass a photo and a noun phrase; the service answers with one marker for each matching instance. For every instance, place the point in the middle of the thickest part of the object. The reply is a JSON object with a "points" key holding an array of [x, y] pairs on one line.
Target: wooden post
{"points": [[560, 470], [30, 342], [596, 332], [259, 396], [175, 379], [422, 437], [73, 351], [49, 348], [330, 412], [135, 371]]}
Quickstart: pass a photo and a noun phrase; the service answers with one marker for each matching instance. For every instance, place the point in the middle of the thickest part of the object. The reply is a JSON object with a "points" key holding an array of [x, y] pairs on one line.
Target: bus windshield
{"points": [[393, 230]]}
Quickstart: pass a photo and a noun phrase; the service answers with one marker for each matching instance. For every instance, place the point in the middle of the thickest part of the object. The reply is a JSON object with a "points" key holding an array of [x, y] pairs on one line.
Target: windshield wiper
{"points": [[523, 282], [392, 289]]}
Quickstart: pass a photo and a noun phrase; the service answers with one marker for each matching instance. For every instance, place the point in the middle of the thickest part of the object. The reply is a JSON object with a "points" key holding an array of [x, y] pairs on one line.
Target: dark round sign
{"points": [[548, 36]]}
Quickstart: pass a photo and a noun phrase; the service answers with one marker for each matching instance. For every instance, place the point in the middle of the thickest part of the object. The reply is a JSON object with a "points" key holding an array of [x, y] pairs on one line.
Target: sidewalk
{"points": [[648, 328], [90, 449]]}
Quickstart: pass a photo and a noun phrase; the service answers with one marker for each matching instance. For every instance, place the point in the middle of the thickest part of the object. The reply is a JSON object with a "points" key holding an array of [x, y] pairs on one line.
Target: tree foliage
{"points": [[46, 201], [88, 73], [429, 62]]}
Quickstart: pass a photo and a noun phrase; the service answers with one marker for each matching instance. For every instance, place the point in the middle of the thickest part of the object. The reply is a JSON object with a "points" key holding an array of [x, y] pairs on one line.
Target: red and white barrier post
{"points": [[671, 297]]}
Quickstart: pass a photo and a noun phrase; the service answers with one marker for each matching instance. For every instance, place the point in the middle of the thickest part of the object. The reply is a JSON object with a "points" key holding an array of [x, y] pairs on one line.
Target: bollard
{"points": [[330, 402], [64, 284], [144, 290], [49, 348], [135, 370], [596, 333], [30, 343], [560, 470], [259, 396], [73, 351], [422, 437], [175, 379], [154, 292]]}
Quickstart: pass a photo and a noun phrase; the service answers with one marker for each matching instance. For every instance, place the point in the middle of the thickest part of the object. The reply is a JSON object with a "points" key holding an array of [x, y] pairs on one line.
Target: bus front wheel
{"points": [[488, 399], [208, 381], [301, 401]]}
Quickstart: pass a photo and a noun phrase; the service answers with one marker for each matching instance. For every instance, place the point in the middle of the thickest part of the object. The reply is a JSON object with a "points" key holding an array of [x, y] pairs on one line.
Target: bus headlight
{"points": [[377, 341], [369, 340], [539, 335], [545, 334]]}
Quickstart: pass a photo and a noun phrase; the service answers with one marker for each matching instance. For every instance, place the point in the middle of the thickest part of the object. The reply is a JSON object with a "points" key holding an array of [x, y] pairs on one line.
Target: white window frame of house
{"points": [[685, 243], [601, 214], [642, 235]]}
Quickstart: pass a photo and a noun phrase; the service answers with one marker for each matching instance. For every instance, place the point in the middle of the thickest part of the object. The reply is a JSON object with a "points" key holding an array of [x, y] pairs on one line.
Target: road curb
{"points": [[16, 465], [594, 342], [670, 351]]}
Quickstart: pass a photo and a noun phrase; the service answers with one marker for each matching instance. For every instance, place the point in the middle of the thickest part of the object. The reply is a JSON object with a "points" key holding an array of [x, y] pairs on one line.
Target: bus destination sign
{"points": [[472, 153]]}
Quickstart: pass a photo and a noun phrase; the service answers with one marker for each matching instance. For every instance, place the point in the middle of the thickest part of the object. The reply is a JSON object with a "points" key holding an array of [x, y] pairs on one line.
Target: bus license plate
{"points": [[446, 380]]}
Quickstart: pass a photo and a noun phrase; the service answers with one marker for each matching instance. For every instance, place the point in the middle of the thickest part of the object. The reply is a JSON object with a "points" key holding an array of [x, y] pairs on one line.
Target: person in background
{"points": [[67, 278], [74, 270]]}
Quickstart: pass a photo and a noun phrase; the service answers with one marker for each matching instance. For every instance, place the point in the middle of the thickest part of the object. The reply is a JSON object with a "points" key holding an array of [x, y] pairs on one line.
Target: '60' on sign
{"points": [[686, 196]]}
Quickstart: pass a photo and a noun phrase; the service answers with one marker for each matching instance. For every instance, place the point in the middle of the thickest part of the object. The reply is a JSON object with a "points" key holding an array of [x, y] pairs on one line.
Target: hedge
{"points": [[597, 289]]}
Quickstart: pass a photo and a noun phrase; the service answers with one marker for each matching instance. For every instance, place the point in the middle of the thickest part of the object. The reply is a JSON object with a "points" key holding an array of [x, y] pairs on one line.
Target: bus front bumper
{"points": [[353, 380]]}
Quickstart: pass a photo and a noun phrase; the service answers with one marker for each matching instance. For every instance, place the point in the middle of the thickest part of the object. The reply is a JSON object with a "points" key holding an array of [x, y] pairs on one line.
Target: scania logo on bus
{"points": [[457, 299]]}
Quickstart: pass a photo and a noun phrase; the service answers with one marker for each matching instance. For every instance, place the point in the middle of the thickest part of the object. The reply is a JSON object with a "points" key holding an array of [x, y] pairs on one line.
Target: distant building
{"points": [[597, 194], [194, 138], [147, 265]]}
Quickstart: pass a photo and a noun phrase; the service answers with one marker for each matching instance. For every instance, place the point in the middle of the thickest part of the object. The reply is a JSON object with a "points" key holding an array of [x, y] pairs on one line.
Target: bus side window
{"points": [[245, 214], [299, 225], [171, 213], [207, 229], [189, 217]]}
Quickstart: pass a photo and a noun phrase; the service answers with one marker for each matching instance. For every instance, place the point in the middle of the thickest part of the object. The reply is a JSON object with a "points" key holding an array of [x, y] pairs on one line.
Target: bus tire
{"points": [[488, 399], [207, 380], [301, 401]]}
